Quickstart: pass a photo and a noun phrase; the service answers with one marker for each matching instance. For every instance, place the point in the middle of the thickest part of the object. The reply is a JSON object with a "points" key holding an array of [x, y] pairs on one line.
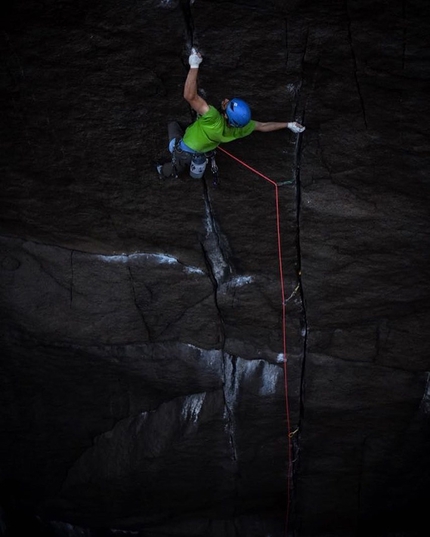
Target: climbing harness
{"points": [[198, 162]]}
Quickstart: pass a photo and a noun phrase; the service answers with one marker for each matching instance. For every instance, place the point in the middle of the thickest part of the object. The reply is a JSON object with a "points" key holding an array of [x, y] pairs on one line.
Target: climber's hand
{"points": [[195, 59], [296, 127]]}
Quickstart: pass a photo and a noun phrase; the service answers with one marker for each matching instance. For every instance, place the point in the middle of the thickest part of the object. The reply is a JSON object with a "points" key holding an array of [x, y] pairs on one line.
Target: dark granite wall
{"points": [[143, 387]]}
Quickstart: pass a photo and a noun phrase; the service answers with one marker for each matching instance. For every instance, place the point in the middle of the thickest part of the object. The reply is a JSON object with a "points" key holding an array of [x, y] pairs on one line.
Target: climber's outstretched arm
{"points": [[270, 126]]}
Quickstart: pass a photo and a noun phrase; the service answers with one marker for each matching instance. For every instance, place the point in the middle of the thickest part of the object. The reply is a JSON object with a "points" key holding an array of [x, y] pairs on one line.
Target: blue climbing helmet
{"points": [[238, 113]]}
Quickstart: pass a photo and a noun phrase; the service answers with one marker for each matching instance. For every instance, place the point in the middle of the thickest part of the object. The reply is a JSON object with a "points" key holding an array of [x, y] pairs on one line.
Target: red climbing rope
{"points": [[284, 332]]}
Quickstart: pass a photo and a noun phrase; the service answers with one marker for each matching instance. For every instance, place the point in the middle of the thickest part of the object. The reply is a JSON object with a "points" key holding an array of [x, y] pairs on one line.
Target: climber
{"points": [[210, 128]]}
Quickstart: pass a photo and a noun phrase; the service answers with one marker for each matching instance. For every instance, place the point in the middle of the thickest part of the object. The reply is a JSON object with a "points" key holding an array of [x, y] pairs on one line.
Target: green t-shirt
{"points": [[211, 129]]}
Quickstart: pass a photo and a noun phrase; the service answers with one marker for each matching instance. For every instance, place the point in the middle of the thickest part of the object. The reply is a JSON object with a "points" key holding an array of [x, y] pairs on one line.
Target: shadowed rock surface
{"points": [[143, 384]]}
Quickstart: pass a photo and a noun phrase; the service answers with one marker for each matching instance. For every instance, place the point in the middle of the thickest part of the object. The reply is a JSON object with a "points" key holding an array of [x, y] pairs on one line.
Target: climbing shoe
{"points": [[159, 168]]}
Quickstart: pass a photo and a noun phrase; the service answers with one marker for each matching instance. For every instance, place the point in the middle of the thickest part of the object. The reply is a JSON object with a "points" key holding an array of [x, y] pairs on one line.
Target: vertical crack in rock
{"points": [[230, 390], [215, 251], [354, 59], [425, 403], [215, 244], [191, 40], [71, 277], [189, 22], [295, 442], [404, 35], [138, 308], [294, 90]]}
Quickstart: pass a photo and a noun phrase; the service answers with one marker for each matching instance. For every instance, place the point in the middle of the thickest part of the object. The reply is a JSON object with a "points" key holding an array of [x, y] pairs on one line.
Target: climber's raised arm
{"points": [[196, 102]]}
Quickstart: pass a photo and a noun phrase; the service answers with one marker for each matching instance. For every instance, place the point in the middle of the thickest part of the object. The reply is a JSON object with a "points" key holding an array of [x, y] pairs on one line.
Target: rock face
{"points": [[159, 376]]}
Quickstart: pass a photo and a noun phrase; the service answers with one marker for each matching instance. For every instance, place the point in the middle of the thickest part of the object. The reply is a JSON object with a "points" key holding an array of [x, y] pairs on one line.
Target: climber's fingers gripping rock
{"points": [[195, 59]]}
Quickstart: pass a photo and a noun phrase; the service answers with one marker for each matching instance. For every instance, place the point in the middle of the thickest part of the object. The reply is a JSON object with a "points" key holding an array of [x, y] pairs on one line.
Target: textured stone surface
{"points": [[142, 384]]}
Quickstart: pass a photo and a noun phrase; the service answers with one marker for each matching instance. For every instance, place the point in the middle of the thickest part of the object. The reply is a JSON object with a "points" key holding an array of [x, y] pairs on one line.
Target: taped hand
{"points": [[195, 59], [296, 127]]}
